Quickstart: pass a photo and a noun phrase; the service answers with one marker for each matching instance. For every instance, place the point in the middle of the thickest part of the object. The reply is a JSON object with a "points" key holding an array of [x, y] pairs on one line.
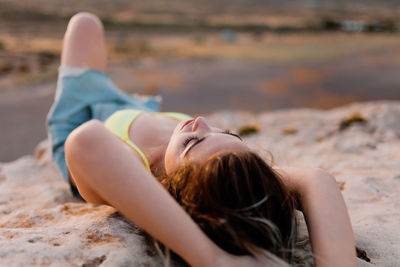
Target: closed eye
{"points": [[230, 133], [199, 140], [190, 138]]}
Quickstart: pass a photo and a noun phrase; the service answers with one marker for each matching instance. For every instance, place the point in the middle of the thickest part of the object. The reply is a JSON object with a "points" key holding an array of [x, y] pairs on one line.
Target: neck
{"points": [[155, 150], [157, 167]]}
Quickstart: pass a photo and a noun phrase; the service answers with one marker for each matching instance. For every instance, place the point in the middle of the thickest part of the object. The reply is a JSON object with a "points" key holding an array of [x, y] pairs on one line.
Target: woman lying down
{"points": [[199, 190]]}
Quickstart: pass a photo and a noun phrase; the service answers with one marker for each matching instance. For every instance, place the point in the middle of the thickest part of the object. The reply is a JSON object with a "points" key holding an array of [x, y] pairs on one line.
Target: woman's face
{"points": [[195, 140]]}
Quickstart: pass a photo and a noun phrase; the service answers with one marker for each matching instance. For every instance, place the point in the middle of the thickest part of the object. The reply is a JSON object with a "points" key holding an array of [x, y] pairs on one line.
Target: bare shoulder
{"points": [[89, 135], [92, 140]]}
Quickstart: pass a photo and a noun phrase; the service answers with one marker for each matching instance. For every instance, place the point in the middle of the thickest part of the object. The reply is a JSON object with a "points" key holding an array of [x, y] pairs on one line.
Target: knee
{"points": [[83, 44], [85, 22]]}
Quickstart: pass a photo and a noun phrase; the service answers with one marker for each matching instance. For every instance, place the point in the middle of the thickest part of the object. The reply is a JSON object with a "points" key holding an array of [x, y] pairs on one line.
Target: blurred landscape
{"points": [[203, 56]]}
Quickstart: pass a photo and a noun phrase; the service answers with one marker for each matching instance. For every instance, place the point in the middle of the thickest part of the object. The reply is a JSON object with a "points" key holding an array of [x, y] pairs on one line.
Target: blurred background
{"points": [[203, 56]]}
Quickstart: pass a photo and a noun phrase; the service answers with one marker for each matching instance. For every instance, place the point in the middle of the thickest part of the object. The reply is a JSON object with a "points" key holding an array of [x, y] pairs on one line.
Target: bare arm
{"points": [[106, 171], [326, 215]]}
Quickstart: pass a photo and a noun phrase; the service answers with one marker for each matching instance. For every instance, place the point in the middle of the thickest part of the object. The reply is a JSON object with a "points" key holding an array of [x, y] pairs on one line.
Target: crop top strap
{"points": [[119, 124]]}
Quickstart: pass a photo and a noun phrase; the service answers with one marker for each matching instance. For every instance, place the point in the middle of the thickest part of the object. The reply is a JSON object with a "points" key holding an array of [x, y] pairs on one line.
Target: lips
{"points": [[186, 123]]}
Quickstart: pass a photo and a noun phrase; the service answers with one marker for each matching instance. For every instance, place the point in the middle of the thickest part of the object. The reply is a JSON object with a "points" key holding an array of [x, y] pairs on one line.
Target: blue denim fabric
{"points": [[90, 94]]}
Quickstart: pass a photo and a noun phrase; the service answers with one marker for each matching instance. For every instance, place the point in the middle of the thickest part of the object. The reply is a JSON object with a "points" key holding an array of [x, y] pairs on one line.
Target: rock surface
{"points": [[41, 224]]}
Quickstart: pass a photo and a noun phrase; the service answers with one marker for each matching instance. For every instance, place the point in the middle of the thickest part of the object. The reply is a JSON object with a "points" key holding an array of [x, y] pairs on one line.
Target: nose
{"points": [[200, 124]]}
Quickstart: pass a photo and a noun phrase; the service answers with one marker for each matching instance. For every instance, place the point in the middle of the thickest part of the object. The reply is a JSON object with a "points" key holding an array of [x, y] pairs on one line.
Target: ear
{"points": [[164, 183]]}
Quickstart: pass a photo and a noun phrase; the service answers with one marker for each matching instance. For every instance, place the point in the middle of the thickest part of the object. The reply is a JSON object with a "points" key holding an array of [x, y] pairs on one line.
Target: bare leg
{"points": [[83, 44]]}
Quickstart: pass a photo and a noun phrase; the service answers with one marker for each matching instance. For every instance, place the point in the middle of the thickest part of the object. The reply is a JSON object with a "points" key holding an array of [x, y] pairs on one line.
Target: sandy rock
{"points": [[42, 224], [364, 158]]}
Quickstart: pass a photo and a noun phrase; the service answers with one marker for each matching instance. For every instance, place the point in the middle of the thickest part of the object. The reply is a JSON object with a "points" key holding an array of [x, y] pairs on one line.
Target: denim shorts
{"points": [[81, 95]]}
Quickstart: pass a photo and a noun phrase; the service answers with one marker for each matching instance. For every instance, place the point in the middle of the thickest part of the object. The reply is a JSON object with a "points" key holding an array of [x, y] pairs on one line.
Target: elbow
{"points": [[319, 177], [81, 152], [81, 147], [319, 173]]}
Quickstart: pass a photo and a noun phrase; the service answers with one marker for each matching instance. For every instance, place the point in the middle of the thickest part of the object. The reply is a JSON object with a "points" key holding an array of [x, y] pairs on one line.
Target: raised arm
{"points": [[326, 215], [107, 171]]}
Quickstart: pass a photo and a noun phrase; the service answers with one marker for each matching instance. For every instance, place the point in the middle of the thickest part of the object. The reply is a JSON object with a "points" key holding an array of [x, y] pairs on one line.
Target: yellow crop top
{"points": [[119, 123]]}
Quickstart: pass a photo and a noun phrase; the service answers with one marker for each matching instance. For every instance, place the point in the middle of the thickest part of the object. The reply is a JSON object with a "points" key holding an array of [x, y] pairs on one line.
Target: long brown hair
{"points": [[239, 202]]}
